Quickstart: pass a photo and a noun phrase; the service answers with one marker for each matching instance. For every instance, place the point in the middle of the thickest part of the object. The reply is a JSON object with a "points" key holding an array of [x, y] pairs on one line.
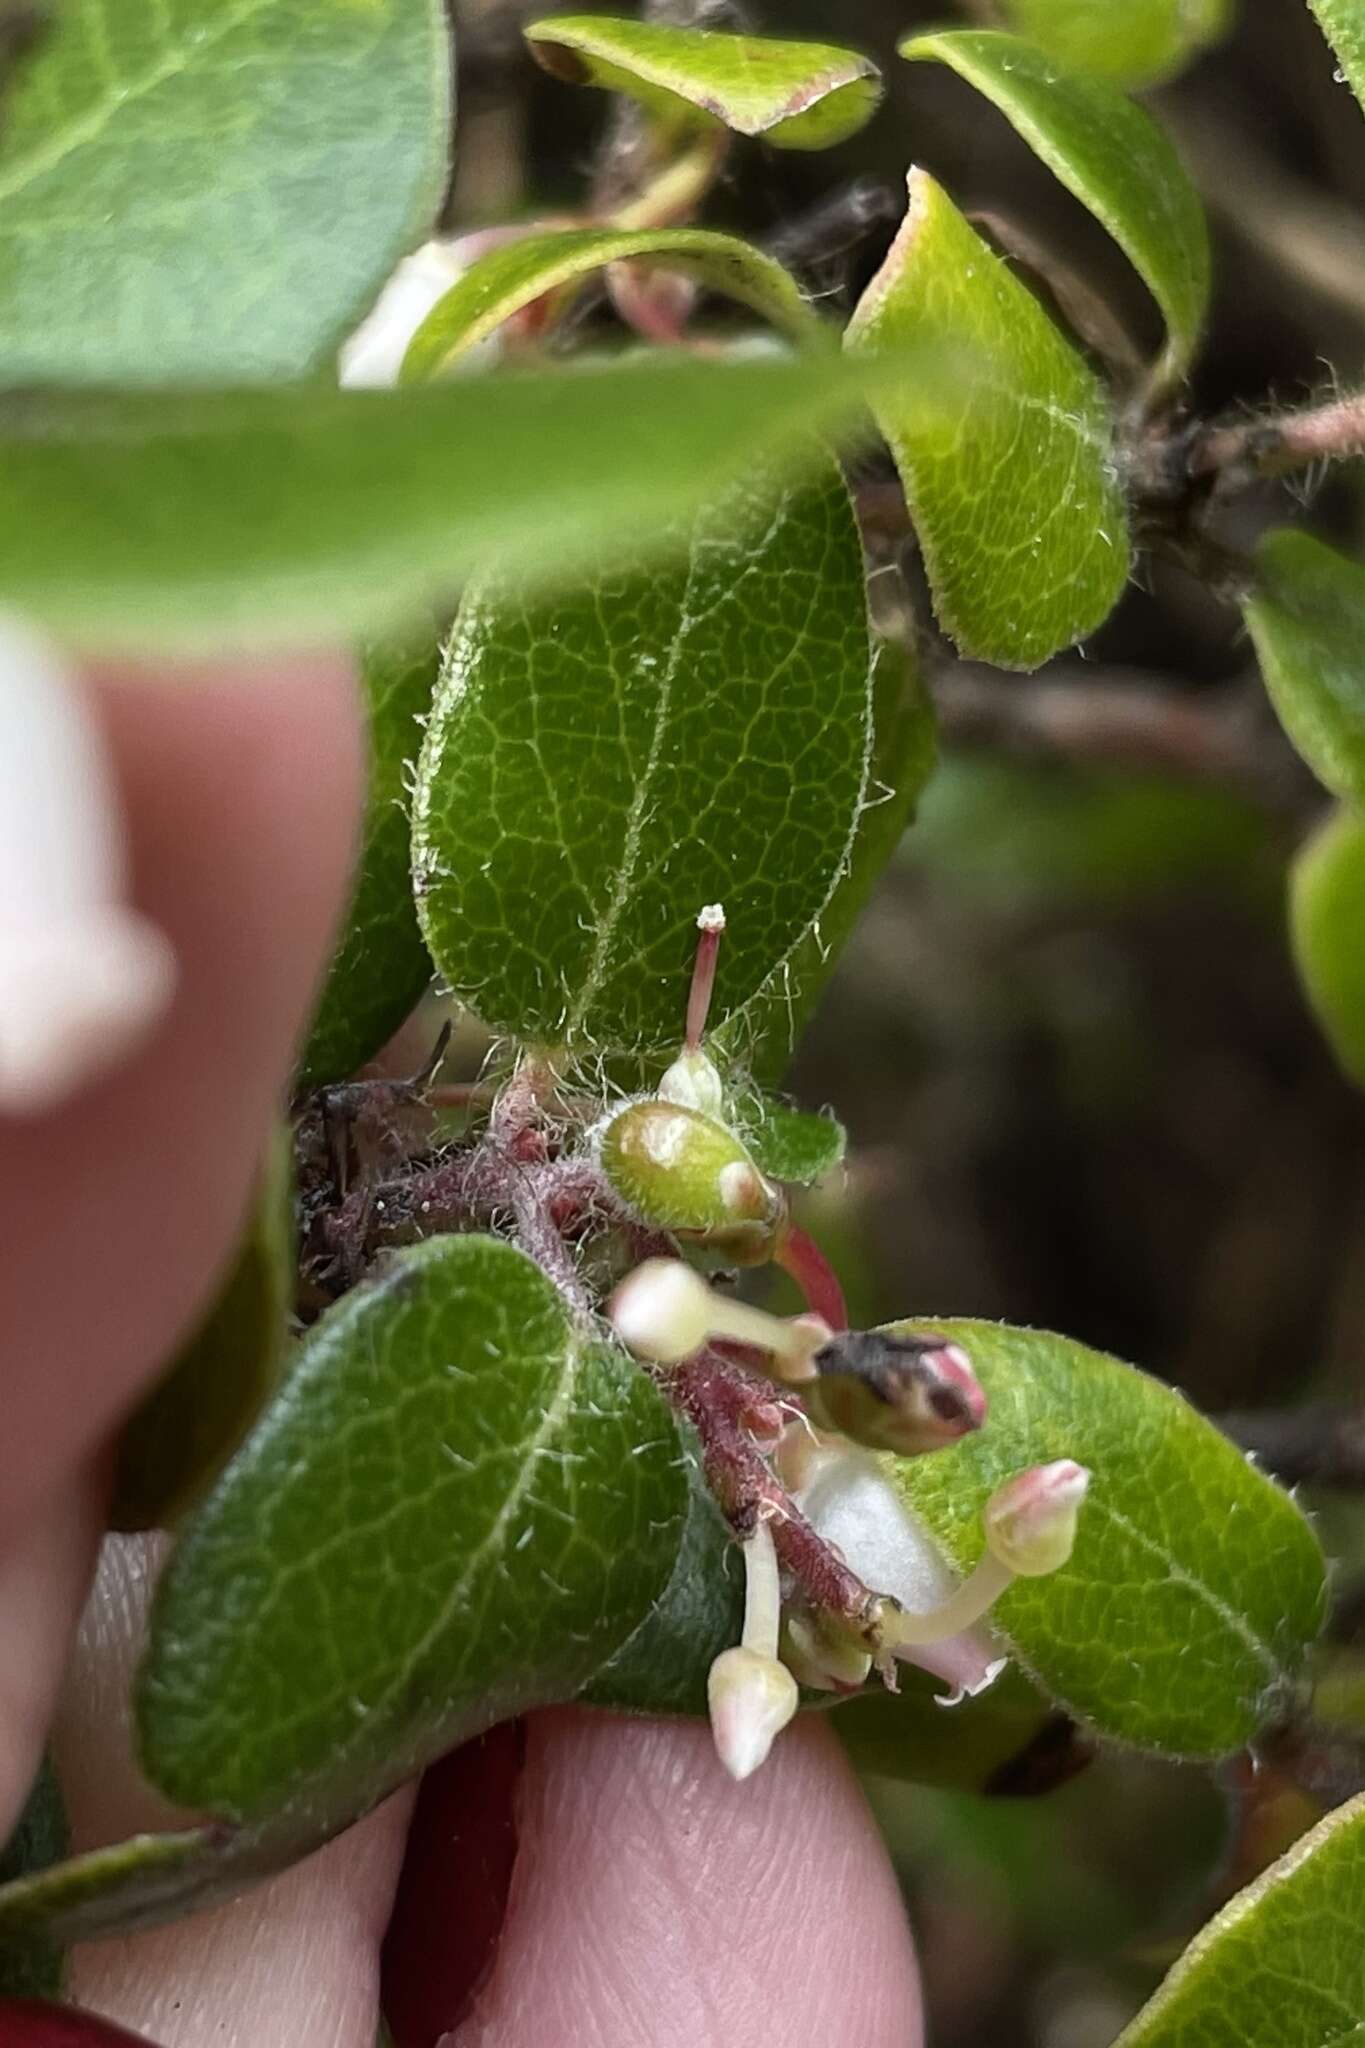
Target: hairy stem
{"points": [[1240, 451]]}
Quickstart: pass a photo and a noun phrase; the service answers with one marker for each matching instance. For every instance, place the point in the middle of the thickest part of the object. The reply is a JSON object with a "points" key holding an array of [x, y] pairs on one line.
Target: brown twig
{"points": [[1240, 452]]}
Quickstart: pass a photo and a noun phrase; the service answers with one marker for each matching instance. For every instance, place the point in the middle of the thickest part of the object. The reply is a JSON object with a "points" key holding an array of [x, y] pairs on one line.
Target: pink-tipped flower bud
{"points": [[1030, 1521], [662, 1311], [751, 1699], [895, 1391]]}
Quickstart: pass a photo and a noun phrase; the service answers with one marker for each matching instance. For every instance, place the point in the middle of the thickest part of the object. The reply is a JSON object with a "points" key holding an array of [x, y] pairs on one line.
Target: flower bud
{"points": [[664, 1311], [681, 1170], [896, 1392], [751, 1699], [1030, 1521], [693, 1083]]}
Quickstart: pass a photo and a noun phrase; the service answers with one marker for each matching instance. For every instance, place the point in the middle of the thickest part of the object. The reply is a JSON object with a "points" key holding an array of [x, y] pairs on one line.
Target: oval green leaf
{"points": [[212, 191], [1014, 494], [460, 1506], [796, 95], [1307, 622], [599, 767], [1111, 155], [1142, 43], [1282, 1966], [114, 1890], [268, 518], [662, 1668], [175, 1444], [380, 966], [1181, 1623], [1327, 926], [506, 279], [1343, 24]]}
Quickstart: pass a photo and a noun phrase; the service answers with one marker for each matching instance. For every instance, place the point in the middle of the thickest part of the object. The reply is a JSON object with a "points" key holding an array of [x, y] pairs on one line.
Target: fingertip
{"points": [[241, 782], [292, 1961], [653, 1899]]}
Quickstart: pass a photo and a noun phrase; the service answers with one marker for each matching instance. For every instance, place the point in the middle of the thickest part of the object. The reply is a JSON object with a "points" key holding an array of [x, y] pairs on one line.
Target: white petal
{"points": [[854, 1507]]}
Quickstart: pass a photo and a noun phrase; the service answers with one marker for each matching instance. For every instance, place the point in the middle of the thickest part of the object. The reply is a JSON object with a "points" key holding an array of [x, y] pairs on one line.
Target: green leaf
{"points": [[1112, 156], [142, 520], [461, 1504], [1327, 924], [505, 280], [380, 966], [1283, 1965], [1307, 622], [1343, 24], [904, 750], [176, 1443], [1141, 43], [35, 1966], [985, 1743], [115, 1890], [599, 767], [1181, 1622], [212, 189], [662, 1668], [794, 1145], [1014, 494], [796, 95]]}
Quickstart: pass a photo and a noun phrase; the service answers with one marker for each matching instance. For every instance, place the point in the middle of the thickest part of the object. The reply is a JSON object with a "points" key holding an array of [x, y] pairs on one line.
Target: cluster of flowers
{"points": [[664, 1312]]}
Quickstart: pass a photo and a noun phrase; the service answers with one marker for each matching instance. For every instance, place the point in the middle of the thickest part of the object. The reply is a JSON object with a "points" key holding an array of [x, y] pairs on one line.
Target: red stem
{"points": [[800, 1256]]}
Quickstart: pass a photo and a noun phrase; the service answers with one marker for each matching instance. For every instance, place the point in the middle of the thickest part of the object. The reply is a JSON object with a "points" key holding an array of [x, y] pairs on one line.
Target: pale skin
{"points": [[654, 1902]]}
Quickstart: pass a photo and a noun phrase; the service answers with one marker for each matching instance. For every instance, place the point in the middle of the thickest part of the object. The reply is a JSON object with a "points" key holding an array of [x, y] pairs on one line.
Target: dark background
{"points": [[1082, 1088]]}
